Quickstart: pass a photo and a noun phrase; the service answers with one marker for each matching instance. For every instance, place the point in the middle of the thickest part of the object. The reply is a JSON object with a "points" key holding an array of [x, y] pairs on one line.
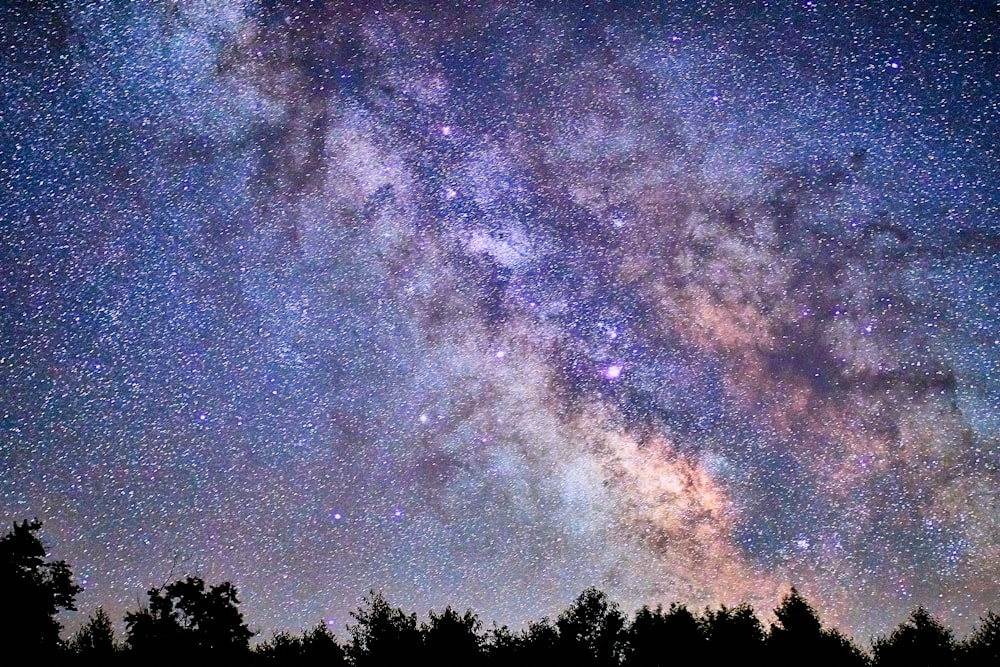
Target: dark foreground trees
{"points": [[590, 631], [382, 634], [96, 639], [733, 635], [32, 591], [798, 632], [657, 638], [450, 638], [314, 647], [186, 618], [920, 641], [983, 646]]}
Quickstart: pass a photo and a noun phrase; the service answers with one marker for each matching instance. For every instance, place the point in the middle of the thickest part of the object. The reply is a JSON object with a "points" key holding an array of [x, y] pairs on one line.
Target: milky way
{"points": [[485, 306]]}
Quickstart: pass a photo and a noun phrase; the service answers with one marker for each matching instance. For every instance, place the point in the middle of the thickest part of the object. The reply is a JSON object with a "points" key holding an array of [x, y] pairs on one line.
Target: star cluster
{"points": [[687, 301]]}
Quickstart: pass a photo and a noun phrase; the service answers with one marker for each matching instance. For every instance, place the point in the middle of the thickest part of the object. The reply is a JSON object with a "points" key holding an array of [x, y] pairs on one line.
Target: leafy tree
{"points": [[918, 642], [591, 629], [734, 635], [501, 646], [96, 639], [185, 617], [212, 615], [538, 644], [799, 635], [382, 634], [314, 647], [658, 638], [453, 639], [32, 591], [283, 648], [155, 630], [982, 647]]}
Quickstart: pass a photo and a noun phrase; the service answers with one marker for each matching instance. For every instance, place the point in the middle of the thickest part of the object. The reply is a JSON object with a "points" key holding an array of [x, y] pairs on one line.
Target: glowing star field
{"points": [[484, 305]]}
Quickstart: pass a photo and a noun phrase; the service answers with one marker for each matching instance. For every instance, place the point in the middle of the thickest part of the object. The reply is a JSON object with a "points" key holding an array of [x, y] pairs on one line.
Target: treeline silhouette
{"points": [[188, 619]]}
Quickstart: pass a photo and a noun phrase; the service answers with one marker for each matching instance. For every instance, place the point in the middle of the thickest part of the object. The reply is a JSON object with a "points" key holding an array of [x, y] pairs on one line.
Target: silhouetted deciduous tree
{"points": [[657, 638], [920, 641], [590, 630], [538, 644], [96, 639], [982, 646], [382, 634], [184, 617], [313, 647], [453, 639], [501, 646], [155, 630], [32, 591]]}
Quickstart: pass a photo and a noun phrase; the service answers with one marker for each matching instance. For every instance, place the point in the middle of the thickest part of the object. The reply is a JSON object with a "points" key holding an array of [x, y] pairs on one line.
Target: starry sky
{"points": [[687, 301]]}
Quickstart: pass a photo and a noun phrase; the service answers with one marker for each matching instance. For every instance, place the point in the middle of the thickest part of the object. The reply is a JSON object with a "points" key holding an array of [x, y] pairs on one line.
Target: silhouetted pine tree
{"points": [[920, 641], [95, 640], [799, 633]]}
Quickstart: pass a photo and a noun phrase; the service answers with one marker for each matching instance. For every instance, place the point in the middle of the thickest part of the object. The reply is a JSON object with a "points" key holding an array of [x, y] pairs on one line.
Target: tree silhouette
{"points": [[796, 618], [382, 634], [453, 639], [658, 638], [538, 644], [590, 630], [799, 635], [96, 639], [155, 630], [283, 648], [982, 647], [33, 591], [185, 617], [734, 635], [501, 646], [314, 647], [320, 647], [919, 641]]}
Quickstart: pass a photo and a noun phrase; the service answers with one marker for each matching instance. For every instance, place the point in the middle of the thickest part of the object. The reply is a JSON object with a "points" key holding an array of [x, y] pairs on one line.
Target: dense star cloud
{"points": [[483, 306]]}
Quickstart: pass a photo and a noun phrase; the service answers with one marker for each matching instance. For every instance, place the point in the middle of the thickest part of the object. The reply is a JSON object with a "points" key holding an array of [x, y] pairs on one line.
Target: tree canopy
{"points": [[33, 590], [382, 634], [920, 641], [96, 639], [187, 617]]}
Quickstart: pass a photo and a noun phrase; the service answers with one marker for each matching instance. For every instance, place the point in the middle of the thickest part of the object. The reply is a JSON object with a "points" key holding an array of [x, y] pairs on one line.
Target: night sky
{"points": [[482, 306]]}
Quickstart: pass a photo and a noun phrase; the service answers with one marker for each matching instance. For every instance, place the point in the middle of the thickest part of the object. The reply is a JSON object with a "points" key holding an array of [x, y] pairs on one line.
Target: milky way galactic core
{"points": [[484, 305]]}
